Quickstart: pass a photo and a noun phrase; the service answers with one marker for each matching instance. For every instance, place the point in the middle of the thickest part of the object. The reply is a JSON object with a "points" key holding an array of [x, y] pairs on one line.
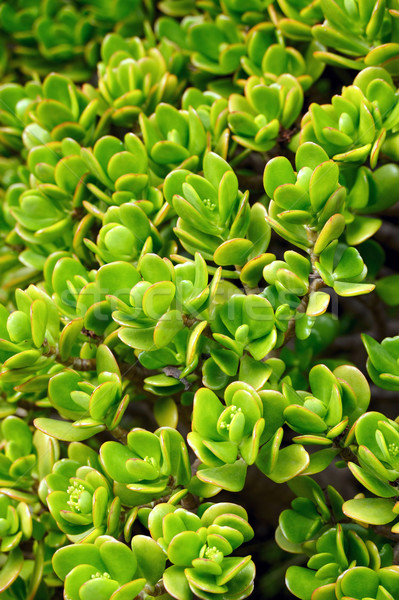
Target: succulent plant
{"points": [[256, 118], [382, 364], [133, 79], [198, 546], [271, 60], [18, 457], [359, 122], [215, 198], [337, 397], [149, 466], [107, 567], [80, 497], [173, 139], [15, 523], [373, 31], [198, 249], [217, 46]]}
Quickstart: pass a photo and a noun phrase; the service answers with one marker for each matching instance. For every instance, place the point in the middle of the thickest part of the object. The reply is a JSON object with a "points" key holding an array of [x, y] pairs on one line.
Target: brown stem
{"points": [[346, 453], [157, 590], [190, 502], [79, 364], [190, 321], [385, 531], [176, 373], [120, 434], [316, 284]]}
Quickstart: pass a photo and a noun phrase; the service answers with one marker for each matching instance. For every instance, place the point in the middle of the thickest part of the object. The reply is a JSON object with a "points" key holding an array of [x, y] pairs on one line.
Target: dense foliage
{"points": [[197, 223]]}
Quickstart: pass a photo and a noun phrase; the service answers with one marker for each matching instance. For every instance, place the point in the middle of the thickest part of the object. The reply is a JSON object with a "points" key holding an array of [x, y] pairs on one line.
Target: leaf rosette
{"points": [[215, 218], [15, 523], [150, 466], [255, 118], [198, 546], [133, 79], [359, 123], [80, 497], [106, 569]]}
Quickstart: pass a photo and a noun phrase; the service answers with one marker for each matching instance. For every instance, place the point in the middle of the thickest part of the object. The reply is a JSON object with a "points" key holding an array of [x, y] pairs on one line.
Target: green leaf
{"points": [[375, 511], [129, 590], [323, 183], [38, 315], [278, 171], [63, 430], [361, 229], [382, 360], [158, 298], [228, 477], [102, 398], [100, 588], [233, 252], [318, 304], [360, 582], [373, 484], [310, 155], [11, 568], [176, 583], [140, 339], [150, 558], [167, 328], [304, 420], [291, 461], [330, 232], [184, 548], [154, 269], [299, 527], [68, 337], [166, 413], [388, 289], [302, 582]]}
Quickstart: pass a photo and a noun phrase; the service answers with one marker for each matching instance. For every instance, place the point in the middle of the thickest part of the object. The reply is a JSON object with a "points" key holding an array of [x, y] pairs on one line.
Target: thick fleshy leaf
{"points": [[150, 558], [167, 328], [376, 511], [11, 568], [176, 583], [228, 477], [302, 582], [62, 430], [291, 461], [278, 171]]}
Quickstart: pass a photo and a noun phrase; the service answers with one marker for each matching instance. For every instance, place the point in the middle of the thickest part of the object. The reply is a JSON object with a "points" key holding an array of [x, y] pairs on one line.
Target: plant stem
{"points": [[79, 364], [316, 284], [120, 434]]}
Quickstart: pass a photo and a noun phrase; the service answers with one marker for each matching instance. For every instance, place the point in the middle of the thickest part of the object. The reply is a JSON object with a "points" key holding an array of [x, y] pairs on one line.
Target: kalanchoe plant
{"points": [[198, 267]]}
